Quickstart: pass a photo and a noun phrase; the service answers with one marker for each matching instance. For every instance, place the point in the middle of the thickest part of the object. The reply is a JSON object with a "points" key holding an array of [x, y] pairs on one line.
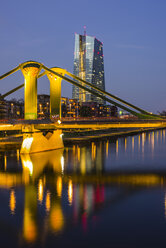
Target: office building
{"points": [[88, 65], [15, 108]]}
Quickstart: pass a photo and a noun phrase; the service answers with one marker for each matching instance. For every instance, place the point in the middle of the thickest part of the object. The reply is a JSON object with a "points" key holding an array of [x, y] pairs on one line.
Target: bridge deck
{"points": [[84, 125]]}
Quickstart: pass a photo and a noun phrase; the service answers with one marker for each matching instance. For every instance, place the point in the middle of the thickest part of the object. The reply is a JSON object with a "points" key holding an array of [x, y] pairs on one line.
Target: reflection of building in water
{"points": [[59, 186], [107, 148], [48, 201], [117, 147], [143, 143], [164, 135], [5, 162], [139, 142], [93, 151], [152, 142], [86, 198], [12, 202], [85, 159], [149, 138], [125, 144], [70, 192], [133, 144], [99, 162], [157, 137], [40, 191]]}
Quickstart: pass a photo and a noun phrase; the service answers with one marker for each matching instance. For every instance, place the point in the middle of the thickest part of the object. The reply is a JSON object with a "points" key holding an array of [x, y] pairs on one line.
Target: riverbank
{"points": [[15, 141], [106, 134]]}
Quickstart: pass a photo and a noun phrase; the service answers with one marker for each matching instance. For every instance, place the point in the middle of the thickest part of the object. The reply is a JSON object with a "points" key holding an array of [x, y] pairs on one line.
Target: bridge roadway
{"points": [[18, 125]]}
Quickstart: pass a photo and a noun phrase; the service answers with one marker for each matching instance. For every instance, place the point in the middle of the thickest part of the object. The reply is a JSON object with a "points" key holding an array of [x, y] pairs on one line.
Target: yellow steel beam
{"points": [[17, 88], [108, 94], [143, 116], [10, 72]]}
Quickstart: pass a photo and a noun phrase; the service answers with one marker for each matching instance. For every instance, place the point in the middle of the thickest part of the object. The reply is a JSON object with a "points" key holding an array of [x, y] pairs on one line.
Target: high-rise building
{"points": [[88, 65]]}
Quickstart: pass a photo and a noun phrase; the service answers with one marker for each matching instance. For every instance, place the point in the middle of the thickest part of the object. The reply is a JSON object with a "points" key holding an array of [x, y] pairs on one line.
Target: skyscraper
{"points": [[88, 65]]}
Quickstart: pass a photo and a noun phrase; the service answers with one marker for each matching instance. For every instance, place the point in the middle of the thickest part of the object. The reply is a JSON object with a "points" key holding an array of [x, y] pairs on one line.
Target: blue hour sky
{"points": [[133, 33]]}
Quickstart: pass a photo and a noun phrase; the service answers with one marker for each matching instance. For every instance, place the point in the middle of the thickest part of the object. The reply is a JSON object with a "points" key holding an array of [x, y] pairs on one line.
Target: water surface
{"points": [[107, 193]]}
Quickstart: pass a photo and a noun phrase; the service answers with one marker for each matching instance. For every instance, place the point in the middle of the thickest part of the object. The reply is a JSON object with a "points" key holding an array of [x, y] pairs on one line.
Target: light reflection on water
{"points": [[71, 190]]}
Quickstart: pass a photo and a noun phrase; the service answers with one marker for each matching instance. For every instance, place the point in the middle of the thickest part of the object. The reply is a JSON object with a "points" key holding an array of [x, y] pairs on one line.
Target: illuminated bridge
{"points": [[31, 71]]}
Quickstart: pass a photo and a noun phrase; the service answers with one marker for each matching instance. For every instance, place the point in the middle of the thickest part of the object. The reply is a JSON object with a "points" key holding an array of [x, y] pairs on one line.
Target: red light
{"points": [[97, 52]]}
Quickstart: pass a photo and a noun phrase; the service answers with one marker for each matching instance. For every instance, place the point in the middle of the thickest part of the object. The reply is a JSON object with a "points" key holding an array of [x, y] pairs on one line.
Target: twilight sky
{"points": [[133, 33]]}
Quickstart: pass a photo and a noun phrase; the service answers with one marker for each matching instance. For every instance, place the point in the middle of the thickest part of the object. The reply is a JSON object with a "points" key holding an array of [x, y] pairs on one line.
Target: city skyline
{"points": [[132, 32]]}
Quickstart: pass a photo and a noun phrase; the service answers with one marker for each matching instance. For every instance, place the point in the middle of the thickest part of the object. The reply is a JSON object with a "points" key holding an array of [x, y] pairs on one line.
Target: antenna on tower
{"points": [[84, 30]]}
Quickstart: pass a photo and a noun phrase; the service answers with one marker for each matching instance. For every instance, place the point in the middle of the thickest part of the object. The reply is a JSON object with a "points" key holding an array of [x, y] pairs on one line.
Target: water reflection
{"points": [[70, 192], [30, 214], [5, 162], [12, 202], [40, 191], [52, 191]]}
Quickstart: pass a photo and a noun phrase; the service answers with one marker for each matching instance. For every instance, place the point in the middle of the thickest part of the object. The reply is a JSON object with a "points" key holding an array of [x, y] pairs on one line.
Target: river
{"points": [[108, 193]]}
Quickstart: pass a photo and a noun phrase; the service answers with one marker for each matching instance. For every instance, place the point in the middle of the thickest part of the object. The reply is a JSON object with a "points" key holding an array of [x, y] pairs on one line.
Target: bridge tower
{"points": [[55, 91], [30, 71]]}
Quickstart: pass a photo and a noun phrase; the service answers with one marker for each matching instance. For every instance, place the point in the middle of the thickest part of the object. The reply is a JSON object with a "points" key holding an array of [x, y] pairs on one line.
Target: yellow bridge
{"points": [[33, 138]]}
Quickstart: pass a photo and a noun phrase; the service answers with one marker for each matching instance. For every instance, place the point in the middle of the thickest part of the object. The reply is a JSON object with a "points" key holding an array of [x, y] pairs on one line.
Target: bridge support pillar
{"points": [[55, 92], [38, 141], [30, 71]]}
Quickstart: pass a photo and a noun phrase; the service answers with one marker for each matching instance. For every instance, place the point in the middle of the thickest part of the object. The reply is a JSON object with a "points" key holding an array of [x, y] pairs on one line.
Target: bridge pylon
{"points": [[37, 141], [30, 71], [55, 91]]}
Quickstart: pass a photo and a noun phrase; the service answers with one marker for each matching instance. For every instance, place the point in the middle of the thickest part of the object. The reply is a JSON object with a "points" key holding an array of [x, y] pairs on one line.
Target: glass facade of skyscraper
{"points": [[88, 65]]}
